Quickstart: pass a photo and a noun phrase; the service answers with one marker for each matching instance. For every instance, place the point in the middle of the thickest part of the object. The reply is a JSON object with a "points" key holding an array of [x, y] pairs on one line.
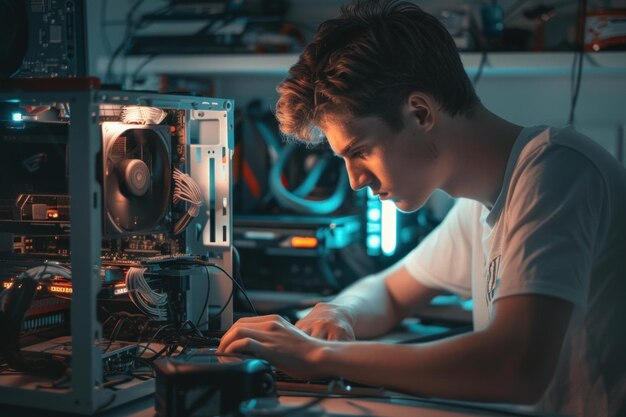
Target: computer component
{"points": [[200, 27], [298, 253], [15, 302], [209, 384], [606, 30], [117, 356], [137, 177], [45, 310], [298, 180], [42, 38], [68, 148]]}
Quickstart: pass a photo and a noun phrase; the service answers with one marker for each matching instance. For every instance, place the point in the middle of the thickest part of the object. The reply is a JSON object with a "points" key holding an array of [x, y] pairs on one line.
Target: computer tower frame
{"points": [[87, 394]]}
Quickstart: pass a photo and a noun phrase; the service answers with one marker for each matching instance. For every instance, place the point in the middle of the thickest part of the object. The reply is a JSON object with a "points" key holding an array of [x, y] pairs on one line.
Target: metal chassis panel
{"points": [[87, 394]]}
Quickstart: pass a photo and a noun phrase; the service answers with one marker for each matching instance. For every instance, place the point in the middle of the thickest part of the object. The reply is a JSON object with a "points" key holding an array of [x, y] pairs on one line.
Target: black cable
{"points": [[302, 407], [108, 403], [152, 339], [412, 399], [187, 339], [482, 43], [466, 405], [130, 30], [239, 286], [141, 66], [105, 38], [219, 313], [237, 269], [114, 333], [143, 329], [237, 265], [513, 9], [481, 66], [208, 292], [577, 65], [127, 35], [147, 348]]}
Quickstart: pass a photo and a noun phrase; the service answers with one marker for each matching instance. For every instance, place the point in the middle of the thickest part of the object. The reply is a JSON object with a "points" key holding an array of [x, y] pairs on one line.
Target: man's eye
{"points": [[358, 154]]}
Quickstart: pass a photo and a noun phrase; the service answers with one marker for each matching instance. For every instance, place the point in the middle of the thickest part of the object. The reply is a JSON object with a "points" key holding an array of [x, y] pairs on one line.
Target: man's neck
{"points": [[479, 149]]}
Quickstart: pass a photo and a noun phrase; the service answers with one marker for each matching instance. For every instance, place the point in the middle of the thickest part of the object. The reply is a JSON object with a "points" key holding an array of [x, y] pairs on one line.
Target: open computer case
{"points": [[97, 182]]}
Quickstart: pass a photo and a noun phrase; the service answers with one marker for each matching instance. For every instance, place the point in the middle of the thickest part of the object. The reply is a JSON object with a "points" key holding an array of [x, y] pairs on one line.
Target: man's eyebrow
{"points": [[345, 151]]}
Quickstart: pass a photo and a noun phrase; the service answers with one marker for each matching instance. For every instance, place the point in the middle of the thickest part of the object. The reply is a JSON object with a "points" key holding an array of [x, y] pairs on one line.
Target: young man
{"points": [[537, 238]]}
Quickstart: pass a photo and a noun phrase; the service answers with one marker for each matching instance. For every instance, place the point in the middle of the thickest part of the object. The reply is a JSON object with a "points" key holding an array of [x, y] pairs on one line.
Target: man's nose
{"points": [[357, 175]]}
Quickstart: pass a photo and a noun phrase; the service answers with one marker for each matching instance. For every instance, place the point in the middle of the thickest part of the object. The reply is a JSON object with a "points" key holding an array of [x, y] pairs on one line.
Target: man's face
{"points": [[401, 166]]}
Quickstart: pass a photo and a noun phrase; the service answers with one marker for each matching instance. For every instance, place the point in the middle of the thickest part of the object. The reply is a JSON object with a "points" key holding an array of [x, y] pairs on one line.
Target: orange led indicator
{"points": [[6, 285], [60, 289], [303, 242]]}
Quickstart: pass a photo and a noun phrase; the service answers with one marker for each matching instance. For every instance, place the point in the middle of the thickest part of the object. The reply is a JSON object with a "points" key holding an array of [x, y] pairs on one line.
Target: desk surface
{"points": [[392, 406], [362, 403]]}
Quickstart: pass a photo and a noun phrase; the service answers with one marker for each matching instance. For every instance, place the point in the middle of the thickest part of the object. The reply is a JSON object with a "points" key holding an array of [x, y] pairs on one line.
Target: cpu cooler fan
{"points": [[137, 178]]}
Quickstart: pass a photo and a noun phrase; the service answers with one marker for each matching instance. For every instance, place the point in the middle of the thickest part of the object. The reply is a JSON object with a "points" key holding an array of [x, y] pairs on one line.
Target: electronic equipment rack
{"points": [[205, 152]]}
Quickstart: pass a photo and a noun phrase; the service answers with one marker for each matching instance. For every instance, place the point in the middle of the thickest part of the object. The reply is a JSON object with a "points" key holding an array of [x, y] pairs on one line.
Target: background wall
{"points": [[526, 88]]}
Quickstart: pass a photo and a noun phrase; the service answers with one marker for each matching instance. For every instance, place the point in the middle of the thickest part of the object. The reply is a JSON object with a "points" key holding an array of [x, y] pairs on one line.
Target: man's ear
{"points": [[422, 108]]}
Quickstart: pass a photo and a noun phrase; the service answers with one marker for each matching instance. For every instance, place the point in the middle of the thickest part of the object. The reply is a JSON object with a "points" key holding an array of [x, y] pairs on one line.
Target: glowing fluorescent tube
{"points": [[389, 228]]}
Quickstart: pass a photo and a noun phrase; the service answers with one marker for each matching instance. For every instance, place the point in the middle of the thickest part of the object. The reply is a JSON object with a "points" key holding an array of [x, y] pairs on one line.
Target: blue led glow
{"points": [[16, 117], [373, 214], [373, 241], [389, 226]]}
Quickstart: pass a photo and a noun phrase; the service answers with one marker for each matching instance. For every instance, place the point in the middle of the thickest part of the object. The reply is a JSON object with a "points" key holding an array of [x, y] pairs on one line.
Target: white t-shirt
{"points": [[558, 228]]}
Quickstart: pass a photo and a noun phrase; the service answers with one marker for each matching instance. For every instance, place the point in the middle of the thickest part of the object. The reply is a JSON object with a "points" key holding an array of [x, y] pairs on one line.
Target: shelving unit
{"points": [[538, 85], [498, 63]]}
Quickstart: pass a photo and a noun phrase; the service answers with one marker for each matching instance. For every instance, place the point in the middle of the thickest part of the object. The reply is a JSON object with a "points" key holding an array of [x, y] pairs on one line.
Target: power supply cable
{"points": [[208, 293], [577, 64], [127, 36], [248, 408], [105, 37], [186, 190], [14, 304], [481, 66], [150, 302], [234, 281], [134, 78], [130, 30]]}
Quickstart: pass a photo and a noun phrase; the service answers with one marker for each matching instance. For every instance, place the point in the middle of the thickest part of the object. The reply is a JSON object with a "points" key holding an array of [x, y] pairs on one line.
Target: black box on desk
{"points": [[204, 385]]}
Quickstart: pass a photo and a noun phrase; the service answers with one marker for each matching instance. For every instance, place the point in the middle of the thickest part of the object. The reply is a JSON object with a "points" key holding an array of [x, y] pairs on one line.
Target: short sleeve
{"points": [[442, 260], [552, 224]]}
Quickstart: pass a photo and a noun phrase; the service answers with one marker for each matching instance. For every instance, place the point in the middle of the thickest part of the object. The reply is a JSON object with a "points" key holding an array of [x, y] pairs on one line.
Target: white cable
{"points": [[186, 189], [142, 115], [152, 303], [38, 273], [143, 296], [48, 269]]}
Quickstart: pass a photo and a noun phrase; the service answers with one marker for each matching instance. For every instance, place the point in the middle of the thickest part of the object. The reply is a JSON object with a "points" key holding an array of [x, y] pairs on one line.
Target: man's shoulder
{"points": [[564, 152], [563, 146]]}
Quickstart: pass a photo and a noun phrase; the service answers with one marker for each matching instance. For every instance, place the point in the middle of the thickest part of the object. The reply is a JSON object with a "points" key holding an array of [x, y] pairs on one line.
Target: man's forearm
{"points": [[468, 368], [512, 360], [368, 306]]}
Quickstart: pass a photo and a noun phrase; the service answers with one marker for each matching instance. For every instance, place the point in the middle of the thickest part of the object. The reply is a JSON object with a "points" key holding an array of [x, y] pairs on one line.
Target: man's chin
{"points": [[406, 206]]}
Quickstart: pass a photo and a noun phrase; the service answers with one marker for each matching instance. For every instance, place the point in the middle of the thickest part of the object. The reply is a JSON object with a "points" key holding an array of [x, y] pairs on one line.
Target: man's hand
{"points": [[276, 340], [328, 321]]}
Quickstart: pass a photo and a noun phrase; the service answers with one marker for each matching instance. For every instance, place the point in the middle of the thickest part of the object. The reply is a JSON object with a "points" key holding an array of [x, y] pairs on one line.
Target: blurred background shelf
{"points": [[497, 64]]}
